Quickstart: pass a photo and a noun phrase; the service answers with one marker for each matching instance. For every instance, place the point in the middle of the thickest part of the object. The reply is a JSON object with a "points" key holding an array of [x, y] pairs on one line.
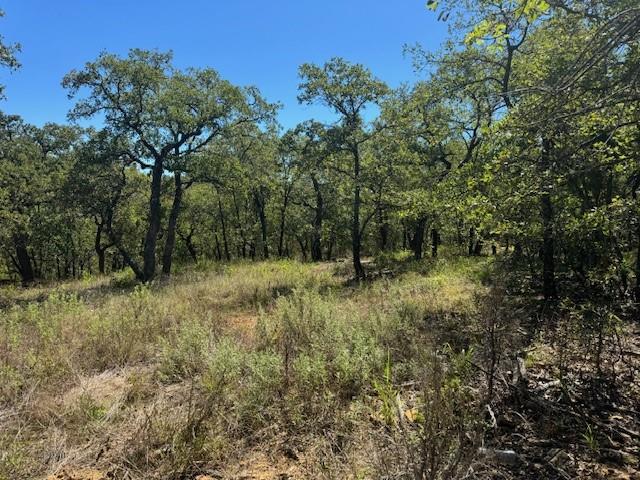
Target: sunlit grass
{"points": [[271, 343]]}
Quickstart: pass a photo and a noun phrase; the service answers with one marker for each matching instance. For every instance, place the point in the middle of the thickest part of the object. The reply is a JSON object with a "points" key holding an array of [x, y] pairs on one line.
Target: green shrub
{"points": [[260, 391], [184, 351], [322, 344], [224, 365]]}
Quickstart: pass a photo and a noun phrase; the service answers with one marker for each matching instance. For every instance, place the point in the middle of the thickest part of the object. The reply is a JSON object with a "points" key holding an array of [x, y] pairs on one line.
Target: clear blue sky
{"points": [[250, 42]]}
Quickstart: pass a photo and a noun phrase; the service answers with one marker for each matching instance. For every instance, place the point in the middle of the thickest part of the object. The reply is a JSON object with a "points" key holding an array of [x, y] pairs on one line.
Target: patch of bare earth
{"points": [[242, 326], [70, 473], [259, 466]]}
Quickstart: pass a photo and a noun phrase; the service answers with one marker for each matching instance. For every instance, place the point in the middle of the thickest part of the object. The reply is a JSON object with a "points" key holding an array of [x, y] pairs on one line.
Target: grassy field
{"points": [[266, 370]]}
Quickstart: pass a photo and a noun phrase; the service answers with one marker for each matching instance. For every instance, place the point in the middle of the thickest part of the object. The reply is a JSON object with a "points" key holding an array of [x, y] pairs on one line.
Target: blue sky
{"points": [[249, 42]]}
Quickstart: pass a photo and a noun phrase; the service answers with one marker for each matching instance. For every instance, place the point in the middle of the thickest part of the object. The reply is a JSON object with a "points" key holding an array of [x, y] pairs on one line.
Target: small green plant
{"points": [[387, 394], [89, 409], [591, 440]]}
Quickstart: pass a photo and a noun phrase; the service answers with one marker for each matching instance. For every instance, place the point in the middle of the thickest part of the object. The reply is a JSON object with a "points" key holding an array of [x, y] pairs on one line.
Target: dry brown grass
{"points": [[178, 379]]}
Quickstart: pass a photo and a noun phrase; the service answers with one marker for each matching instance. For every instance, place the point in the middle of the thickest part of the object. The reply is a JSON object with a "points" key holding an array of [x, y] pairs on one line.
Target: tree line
{"points": [[523, 138]]}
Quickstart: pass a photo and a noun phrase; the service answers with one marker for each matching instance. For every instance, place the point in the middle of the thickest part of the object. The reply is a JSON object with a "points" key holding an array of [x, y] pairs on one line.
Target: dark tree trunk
{"points": [[155, 205], [316, 234], [435, 242], [384, 236], [477, 249], [303, 247], [192, 249], [356, 236], [100, 249], [170, 241], [126, 257], [128, 260], [417, 240], [101, 255], [37, 270], [472, 241], [262, 217], [22, 259], [283, 221], [517, 250], [224, 229], [242, 250], [193, 252], [218, 250]]}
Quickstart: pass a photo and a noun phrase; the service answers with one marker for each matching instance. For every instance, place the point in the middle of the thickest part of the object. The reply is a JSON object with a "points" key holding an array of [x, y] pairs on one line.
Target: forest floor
{"points": [[277, 370]]}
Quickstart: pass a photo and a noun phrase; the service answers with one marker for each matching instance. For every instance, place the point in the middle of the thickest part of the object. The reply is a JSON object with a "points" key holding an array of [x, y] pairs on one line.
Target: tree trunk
{"points": [[384, 236], [303, 247], [356, 238], [22, 260], [435, 242], [37, 270], [283, 221], [100, 250], [316, 234], [224, 229], [243, 249], [262, 217], [517, 250], [151, 238], [472, 241], [170, 241], [477, 249], [101, 255], [218, 250], [418, 238], [193, 252], [127, 259]]}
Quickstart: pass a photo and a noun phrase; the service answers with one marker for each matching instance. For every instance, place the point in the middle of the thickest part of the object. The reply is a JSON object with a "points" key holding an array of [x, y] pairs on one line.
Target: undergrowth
{"points": [[388, 379]]}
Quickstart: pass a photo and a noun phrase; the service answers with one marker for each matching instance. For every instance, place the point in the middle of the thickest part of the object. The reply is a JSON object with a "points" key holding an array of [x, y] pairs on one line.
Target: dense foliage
{"points": [[511, 143]]}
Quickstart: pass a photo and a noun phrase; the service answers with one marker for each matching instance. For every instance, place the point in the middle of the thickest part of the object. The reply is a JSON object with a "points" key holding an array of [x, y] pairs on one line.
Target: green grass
{"points": [[197, 372]]}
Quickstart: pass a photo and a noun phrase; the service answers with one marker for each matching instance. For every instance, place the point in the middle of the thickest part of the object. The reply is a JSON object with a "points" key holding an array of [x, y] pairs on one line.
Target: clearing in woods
{"points": [[287, 370]]}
